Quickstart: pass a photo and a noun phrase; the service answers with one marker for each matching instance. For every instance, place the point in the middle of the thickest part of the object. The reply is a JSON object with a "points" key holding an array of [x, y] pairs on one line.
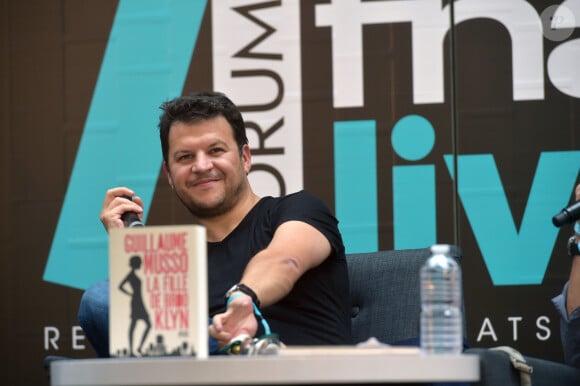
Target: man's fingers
{"points": [[222, 337]]}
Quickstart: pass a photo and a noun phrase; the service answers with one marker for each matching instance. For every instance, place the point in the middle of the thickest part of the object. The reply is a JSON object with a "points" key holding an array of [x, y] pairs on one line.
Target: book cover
{"points": [[158, 291]]}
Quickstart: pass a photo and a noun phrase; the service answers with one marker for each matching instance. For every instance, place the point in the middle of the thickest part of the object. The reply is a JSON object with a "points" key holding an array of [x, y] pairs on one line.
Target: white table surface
{"points": [[266, 370]]}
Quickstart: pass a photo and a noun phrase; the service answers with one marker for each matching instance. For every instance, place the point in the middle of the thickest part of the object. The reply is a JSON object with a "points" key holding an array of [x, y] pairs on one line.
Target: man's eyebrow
{"points": [[217, 142]]}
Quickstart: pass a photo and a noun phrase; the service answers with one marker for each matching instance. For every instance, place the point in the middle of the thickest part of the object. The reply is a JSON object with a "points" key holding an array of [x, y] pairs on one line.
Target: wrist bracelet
{"points": [[232, 297], [257, 312], [244, 289]]}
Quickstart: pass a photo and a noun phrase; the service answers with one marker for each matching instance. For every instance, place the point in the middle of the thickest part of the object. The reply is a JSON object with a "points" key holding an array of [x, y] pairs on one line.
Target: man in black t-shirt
{"points": [[282, 258], [317, 309]]}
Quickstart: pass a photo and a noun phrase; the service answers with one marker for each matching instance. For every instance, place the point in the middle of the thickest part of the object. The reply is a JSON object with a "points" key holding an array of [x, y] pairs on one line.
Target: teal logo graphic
{"points": [[505, 248], [355, 178], [413, 138], [145, 62]]}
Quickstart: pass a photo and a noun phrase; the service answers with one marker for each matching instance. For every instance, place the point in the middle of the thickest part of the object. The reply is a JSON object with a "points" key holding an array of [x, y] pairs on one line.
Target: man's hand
{"points": [[115, 204], [238, 319]]}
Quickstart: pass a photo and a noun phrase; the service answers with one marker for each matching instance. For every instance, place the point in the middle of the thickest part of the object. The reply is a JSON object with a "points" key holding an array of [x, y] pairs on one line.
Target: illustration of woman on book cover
{"points": [[138, 311]]}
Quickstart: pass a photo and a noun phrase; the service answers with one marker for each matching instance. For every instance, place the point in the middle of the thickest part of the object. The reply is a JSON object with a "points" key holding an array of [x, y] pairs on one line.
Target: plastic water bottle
{"points": [[441, 312]]}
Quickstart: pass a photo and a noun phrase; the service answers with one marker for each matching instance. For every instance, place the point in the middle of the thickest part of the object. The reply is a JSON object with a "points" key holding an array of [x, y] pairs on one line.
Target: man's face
{"points": [[205, 167]]}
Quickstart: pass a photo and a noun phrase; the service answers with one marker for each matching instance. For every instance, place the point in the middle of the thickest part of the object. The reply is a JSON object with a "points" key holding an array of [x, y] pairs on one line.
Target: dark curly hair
{"points": [[197, 107]]}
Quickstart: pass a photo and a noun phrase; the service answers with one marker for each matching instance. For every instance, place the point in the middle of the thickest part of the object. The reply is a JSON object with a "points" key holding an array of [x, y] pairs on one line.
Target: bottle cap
{"points": [[440, 249]]}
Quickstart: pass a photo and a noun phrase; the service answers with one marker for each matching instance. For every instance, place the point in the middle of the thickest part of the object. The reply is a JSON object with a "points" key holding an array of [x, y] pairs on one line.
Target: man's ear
{"points": [[167, 174], [247, 158]]}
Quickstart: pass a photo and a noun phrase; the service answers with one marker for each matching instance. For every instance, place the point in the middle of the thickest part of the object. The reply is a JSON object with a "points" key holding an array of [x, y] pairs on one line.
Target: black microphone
{"points": [[131, 219], [567, 215]]}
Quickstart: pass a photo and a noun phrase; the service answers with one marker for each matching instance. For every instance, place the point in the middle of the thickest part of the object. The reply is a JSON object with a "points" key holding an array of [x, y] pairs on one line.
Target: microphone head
{"points": [[560, 219], [567, 215]]}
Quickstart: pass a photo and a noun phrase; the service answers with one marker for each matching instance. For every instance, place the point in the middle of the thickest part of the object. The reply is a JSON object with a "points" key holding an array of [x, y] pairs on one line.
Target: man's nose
{"points": [[202, 163]]}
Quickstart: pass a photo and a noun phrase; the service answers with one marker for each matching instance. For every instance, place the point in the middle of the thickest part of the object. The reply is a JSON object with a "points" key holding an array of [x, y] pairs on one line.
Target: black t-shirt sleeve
{"points": [[304, 206], [317, 310]]}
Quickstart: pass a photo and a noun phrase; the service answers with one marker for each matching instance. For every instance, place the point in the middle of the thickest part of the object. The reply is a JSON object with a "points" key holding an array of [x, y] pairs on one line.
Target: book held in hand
{"points": [[158, 291]]}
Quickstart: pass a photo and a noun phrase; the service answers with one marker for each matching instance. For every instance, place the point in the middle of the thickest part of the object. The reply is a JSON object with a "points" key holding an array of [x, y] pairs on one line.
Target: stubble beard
{"points": [[216, 208]]}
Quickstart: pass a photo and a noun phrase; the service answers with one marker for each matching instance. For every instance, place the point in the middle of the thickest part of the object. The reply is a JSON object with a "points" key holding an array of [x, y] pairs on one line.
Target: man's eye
{"points": [[216, 150], [184, 157]]}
